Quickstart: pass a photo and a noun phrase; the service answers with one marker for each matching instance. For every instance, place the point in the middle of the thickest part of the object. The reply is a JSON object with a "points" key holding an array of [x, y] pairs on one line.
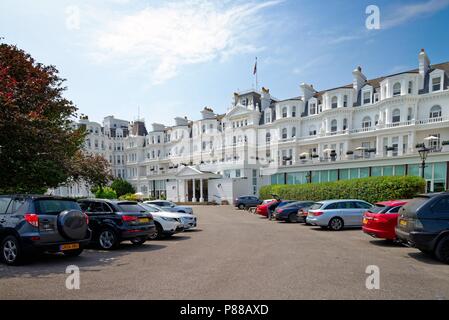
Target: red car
{"points": [[380, 220], [262, 209]]}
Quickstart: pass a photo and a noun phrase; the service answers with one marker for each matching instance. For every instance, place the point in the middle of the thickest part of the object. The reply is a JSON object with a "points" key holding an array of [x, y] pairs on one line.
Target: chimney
{"points": [[265, 98], [359, 79], [307, 91], [424, 63]]}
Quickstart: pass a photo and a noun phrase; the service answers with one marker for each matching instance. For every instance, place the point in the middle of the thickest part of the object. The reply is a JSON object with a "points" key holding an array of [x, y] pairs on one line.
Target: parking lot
{"points": [[237, 255]]}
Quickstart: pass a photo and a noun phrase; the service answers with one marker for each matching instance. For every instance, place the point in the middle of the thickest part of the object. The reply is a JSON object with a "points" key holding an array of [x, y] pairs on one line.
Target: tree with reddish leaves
{"points": [[39, 149]]}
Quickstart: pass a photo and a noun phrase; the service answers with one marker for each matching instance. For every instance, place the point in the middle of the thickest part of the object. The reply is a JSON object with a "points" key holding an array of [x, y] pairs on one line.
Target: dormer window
{"points": [[334, 102], [284, 112], [345, 101], [436, 84], [313, 108], [367, 97], [293, 111], [268, 116], [396, 89]]}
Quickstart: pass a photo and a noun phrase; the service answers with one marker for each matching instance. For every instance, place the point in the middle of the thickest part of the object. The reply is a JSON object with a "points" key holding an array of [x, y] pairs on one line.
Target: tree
{"points": [[94, 170], [39, 149], [105, 193], [122, 187]]}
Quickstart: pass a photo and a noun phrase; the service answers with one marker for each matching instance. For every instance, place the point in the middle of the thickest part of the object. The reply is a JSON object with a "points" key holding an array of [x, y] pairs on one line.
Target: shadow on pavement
{"points": [[90, 260], [426, 258], [387, 244]]}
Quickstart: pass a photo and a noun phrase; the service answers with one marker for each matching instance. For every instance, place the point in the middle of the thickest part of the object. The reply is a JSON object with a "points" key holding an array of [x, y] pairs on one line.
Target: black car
{"points": [[32, 224], [114, 221], [245, 202], [424, 223], [290, 212]]}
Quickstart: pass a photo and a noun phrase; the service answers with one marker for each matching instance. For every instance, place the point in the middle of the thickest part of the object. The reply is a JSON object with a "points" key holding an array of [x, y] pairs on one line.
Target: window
{"points": [[436, 84], [312, 131], [376, 120], [268, 138], [284, 133], [396, 89], [334, 126], [293, 111], [367, 97], [396, 116], [284, 112], [442, 206], [366, 122], [345, 101], [409, 114], [313, 108], [334, 102], [345, 124], [293, 132], [435, 112], [4, 202], [268, 116], [410, 87]]}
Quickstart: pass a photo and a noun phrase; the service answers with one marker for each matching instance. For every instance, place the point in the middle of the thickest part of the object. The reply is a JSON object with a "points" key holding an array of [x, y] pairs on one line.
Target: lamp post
{"points": [[423, 152]]}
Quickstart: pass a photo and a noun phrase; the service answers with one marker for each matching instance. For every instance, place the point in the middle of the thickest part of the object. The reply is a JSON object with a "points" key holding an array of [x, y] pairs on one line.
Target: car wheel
{"points": [[158, 234], [11, 253], [107, 239], [442, 250], [73, 253], [241, 206], [293, 218], [138, 241], [336, 224]]}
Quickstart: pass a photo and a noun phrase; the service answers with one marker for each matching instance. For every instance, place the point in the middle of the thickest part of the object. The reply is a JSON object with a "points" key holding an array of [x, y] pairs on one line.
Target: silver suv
{"points": [[337, 214]]}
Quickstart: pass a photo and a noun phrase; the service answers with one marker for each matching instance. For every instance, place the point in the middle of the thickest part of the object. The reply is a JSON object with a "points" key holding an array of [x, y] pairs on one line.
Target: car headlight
{"points": [[169, 219]]}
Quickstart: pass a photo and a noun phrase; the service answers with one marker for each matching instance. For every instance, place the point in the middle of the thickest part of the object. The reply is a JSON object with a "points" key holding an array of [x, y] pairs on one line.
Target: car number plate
{"points": [[144, 220], [70, 246], [402, 222]]}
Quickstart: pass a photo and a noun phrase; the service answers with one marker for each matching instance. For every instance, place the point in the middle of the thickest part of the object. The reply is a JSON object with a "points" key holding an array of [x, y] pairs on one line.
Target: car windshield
{"points": [[150, 208], [55, 206], [130, 207], [378, 208], [316, 206]]}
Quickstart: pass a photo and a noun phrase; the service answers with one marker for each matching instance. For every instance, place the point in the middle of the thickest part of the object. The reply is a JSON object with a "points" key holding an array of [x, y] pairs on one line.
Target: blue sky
{"points": [[172, 58]]}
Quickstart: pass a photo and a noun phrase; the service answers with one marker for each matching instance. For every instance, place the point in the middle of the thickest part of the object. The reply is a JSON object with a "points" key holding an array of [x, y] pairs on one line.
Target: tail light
{"points": [[32, 219], [280, 210], [87, 218], [317, 213], [129, 218]]}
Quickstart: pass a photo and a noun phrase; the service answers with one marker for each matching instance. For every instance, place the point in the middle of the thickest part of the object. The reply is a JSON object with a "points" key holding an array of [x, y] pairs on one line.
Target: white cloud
{"points": [[72, 19], [407, 12], [174, 34]]}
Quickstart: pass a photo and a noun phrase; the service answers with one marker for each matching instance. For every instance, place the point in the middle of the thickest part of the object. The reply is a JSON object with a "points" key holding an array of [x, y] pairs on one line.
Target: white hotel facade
{"points": [[366, 128]]}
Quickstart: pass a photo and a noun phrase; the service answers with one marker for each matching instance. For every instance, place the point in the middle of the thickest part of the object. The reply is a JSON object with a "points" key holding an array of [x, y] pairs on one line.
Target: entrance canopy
{"points": [[190, 172]]}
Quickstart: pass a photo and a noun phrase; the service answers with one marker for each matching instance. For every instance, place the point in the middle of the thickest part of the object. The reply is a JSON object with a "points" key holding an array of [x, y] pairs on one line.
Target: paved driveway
{"points": [[237, 255]]}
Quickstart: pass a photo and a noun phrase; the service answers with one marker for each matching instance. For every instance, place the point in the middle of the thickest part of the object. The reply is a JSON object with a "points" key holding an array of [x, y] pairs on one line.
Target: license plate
{"points": [[402, 222], [70, 246], [144, 220], [365, 220]]}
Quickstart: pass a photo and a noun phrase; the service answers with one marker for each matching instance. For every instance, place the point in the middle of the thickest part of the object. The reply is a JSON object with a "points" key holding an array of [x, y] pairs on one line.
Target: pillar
{"points": [[201, 191], [193, 189]]}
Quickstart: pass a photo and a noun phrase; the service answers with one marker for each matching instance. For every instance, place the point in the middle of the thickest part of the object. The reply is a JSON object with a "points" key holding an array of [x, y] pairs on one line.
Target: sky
{"points": [[159, 59]]}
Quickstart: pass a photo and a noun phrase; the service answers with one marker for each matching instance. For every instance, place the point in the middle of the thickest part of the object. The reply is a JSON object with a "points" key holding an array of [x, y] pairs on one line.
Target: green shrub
{"points": [[372, 189], [129, 197], [105, 193], [122, 187]]}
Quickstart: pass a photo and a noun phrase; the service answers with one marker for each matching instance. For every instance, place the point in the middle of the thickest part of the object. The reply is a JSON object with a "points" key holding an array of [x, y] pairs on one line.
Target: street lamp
{"points": [[423, 152]]}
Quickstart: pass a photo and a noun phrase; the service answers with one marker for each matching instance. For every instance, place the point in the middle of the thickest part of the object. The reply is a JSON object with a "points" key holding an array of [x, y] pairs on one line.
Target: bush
{"points": [[129, 197], [122, 187], [105, 193], [373, 189]]}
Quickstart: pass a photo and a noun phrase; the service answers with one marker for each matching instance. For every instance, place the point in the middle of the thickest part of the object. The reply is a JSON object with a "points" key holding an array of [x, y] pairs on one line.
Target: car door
{"points": [[359, 208], [4, 204]]}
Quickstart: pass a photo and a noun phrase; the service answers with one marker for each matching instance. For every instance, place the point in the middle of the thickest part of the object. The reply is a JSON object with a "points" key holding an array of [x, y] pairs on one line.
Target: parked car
{"points": [[290, 211], [337, 214], [263, 209], [189, 221], [171, 206], [167, 223], [114, 221], [31, 224], [381, 220], [245, 202], [424, 223]]}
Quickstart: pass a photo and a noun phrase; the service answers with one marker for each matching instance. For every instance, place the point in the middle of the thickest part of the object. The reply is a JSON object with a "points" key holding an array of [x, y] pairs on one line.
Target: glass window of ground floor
{"points": [[435, 174]]}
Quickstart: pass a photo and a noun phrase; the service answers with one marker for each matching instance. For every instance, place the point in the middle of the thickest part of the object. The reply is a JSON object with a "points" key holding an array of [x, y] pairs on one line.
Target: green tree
{"points": [[105, 193], [39, 149], [122, 187]]}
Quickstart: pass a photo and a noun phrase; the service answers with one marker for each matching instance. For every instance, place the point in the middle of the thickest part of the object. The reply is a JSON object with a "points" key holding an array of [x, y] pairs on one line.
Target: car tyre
{"points": [[108, 239], [336, 224], [292, 218], [138, 241], [74, 253], [241, 206], [159, 233], [11, 251], [442, 250]]}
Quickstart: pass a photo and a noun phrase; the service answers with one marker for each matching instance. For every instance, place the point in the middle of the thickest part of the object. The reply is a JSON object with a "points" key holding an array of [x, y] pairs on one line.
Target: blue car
{"points": [[289, 211]]}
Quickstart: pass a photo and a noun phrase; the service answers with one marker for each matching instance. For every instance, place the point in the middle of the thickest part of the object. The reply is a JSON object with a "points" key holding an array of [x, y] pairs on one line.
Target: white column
{"points": [[379, 149], [201, 191], [193, 187]]}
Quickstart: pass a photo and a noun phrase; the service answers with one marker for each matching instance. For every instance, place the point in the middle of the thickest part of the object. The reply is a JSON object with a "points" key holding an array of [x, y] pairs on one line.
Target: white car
{"points": [[167, 223], [188, 220]]}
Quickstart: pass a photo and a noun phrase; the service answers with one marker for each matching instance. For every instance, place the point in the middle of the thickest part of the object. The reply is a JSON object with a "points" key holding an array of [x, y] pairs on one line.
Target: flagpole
{"points": [[257, 82]]}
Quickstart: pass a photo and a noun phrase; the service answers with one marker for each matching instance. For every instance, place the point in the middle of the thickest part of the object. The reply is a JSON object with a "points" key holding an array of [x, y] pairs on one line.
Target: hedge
{"points": [[372, 189]]}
